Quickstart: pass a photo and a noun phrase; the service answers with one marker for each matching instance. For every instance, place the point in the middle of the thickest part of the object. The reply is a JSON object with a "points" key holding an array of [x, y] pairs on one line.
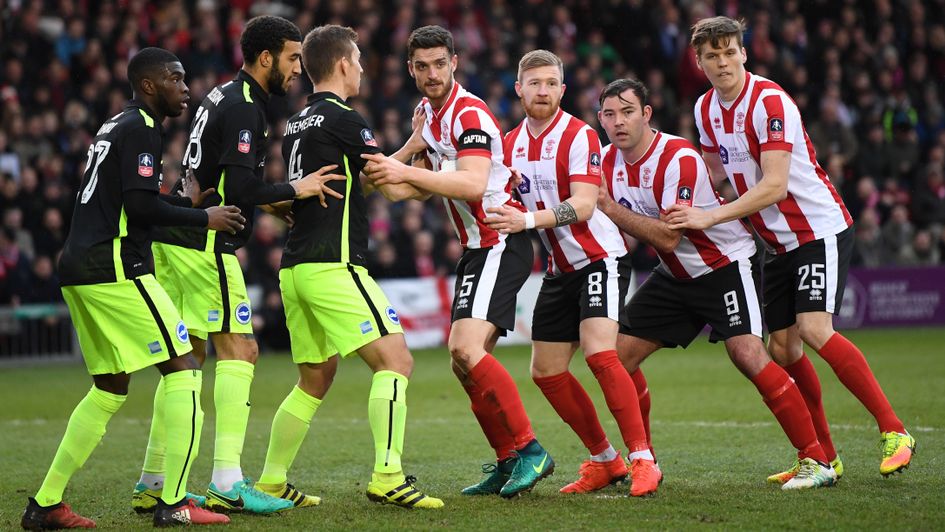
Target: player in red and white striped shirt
{"points": [[461, 140], [704, 277], [751, 131], [558, 161]]}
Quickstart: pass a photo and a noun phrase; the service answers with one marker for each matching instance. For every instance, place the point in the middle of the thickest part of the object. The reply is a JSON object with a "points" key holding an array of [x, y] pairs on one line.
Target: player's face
{"points": [[540, 91], [724, 65], [432, 69], [624, 119], [286, 68], [172, 92], [354, 71]]}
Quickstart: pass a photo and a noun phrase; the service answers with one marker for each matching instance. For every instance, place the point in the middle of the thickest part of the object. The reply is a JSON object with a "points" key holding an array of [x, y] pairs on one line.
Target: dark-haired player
{"points": [[123, 318], [198, 267]]}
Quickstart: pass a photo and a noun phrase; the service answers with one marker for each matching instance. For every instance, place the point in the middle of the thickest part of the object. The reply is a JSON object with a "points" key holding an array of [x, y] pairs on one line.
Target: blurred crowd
{"points": [[868, 76]]}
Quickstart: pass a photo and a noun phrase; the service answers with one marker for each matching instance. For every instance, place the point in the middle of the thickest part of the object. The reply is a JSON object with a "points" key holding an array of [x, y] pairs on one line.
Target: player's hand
{"points": [[190, 188], [314, 185], [604, 201], [516, 178], [281, 210], [505, 219], [415, 143], [685, 217], [383, 170], [225, 218]]}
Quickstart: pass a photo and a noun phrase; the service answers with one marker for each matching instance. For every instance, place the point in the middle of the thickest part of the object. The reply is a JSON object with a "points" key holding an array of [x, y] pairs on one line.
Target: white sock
{"points": [[609, 454], [224, 479], [152, 480], [646, 455]]}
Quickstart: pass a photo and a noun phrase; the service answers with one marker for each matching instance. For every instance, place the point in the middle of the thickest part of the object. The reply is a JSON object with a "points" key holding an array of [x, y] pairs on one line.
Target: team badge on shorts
{"points": [[145, 165], [182, 335], [243, 313], [392, 316], [246, 138]]}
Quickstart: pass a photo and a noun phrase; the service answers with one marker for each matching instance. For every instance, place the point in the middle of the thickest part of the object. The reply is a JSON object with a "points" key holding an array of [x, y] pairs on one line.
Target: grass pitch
{"points": [[715, 439]]}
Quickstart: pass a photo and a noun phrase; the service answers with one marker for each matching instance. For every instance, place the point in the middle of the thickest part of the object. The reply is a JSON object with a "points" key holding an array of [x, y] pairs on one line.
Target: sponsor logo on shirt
{"points": [[243, 313], [620, 176], [246, 138], [145, 165], [625, 202], [717, 123], [368, 137], [520, 151], [775, 129], [723, 154], [525, 186]]}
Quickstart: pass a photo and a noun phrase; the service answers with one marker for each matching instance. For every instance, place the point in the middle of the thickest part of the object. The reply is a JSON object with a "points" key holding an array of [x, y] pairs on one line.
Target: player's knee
{"points": [[112, 383], [463, 356], [815, 333]]}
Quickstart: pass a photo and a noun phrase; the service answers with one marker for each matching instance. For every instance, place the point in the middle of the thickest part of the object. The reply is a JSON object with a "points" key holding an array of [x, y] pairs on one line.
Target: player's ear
{"points": [[147, 86], [647, 112], [744, 55], [518, 88], [410, 69], [265, 59], [454, 62], [563, 88]]}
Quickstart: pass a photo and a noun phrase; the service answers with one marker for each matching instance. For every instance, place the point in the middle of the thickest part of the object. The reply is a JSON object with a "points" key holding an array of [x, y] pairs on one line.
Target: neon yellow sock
{"points": [[231, 398], [83, 433], [289, 427], [183, 419], [387, 414], [154, 455]]}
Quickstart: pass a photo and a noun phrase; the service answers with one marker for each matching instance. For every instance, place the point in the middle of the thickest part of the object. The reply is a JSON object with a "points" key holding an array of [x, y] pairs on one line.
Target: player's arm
{"points": [[653, 231], [579, 207]]}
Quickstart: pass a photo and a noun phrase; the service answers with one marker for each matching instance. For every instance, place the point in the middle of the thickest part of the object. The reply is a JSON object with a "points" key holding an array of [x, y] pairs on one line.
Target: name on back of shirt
{"points": [[303, 123]]}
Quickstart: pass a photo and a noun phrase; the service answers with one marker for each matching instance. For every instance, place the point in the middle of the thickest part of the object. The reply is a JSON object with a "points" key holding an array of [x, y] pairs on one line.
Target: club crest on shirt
{"points": [[368, 137], [595, 164], [145, 165], [246, 138], [740, 121], [645, 181], [549, 149], [445, 132], [775, 129]]}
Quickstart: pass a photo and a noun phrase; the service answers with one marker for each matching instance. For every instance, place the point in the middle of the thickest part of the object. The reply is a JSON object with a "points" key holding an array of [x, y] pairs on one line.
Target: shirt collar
{"points": [[143, 107], [255, 88]]}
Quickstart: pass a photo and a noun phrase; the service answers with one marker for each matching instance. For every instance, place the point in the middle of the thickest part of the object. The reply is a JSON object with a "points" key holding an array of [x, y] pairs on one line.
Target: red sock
{"points": [[619, 392], [853, 371], [575, 407], [499, 438], [785, 401], [807, 382], [499, 390], [643, 397]]}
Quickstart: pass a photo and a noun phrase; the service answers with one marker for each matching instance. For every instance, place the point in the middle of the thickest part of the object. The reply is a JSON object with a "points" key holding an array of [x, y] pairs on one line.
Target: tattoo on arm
{"points": [[564, 214]]}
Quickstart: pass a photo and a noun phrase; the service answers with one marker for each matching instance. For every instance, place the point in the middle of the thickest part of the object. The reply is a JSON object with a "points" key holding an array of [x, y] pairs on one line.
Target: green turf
{"points": [[715, 439]]}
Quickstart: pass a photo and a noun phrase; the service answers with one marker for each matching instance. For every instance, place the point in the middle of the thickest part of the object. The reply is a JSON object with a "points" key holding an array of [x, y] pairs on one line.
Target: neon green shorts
{"points": [[125, 326], [207, 288], [333, 308]]}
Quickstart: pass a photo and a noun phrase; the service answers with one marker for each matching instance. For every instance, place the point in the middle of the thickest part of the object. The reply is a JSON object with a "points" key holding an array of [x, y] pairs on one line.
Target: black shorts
{"points": [[810, 278], [488, 279], [567, 299], [674, 311]]}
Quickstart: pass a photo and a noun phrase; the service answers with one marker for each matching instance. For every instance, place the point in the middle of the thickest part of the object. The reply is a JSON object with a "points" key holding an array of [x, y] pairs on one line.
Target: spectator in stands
{"points": [[897, 233], [922, 252], [929, 200]]}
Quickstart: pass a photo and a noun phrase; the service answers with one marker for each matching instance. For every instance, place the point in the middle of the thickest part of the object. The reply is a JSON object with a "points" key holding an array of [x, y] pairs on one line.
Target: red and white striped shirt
{"points": [[670, 172], [762, 118], [464, 126], [567, 151]]}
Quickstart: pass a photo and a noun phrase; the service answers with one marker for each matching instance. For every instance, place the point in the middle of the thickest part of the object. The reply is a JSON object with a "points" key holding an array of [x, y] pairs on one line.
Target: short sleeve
{"points": [[476, 133], [353, 131], [679, 184], [240, 136], [140, 165], [584, 159], [706, 139], [776, 122]]}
